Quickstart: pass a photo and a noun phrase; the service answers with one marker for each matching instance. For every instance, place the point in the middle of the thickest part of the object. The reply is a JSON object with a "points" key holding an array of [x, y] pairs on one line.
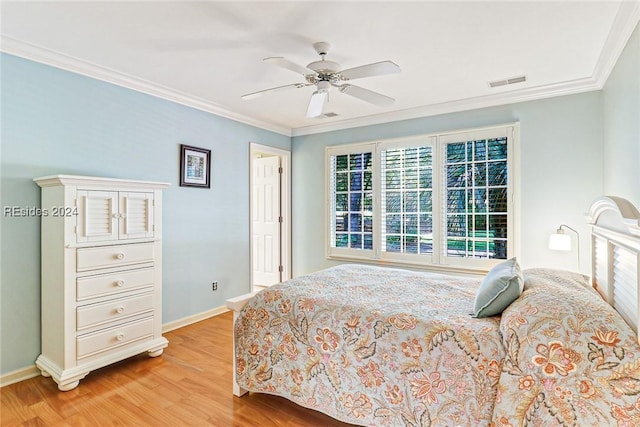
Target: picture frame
{"points": [[195, 167]]}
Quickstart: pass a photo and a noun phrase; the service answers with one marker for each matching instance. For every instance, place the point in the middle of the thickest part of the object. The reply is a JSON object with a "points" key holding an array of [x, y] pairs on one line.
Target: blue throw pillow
{"points": [[502, 285]]}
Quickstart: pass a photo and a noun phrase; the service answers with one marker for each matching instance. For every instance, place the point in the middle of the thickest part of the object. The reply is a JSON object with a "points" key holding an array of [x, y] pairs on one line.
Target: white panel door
{"points": [[266, 221]]}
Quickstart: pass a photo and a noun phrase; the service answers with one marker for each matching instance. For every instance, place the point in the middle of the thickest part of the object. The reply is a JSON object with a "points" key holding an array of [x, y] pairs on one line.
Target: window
{"points": [[407, 214], [477, 198], [353, 192], [438, 200], [351, 200]]}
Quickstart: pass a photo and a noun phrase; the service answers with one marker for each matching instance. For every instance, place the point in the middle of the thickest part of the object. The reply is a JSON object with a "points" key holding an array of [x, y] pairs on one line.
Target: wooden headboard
{"points": [[615, 255]]}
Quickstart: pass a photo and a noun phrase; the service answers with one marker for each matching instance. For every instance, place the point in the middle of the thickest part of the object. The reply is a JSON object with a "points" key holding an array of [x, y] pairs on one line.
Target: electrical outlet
{"points": [[214, 286]]}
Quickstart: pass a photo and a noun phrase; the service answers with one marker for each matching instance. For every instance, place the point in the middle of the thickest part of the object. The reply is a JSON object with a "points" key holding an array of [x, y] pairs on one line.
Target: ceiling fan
{"points": [[323, 74]]}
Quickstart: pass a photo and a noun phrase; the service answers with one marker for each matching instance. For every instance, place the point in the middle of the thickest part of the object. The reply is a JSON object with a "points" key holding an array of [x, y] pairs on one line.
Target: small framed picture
{"points": [[195, 167]]}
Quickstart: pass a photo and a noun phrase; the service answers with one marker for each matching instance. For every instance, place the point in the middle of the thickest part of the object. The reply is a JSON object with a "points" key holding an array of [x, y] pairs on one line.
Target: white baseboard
{"points": [[170, 326], [32, 371], [19, 375]]}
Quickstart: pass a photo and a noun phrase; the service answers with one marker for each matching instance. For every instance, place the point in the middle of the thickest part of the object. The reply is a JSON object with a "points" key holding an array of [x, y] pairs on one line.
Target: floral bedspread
{"points": [[416, 357], [571, 360], [558, 356]]}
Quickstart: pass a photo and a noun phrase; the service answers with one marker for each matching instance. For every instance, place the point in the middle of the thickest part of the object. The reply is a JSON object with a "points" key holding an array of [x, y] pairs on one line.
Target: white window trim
{"points": [[438, 262]]}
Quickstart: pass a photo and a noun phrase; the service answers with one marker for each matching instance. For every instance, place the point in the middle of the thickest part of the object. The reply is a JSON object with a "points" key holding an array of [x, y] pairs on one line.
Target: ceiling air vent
{"points": [[510, 81], [327, 115]]}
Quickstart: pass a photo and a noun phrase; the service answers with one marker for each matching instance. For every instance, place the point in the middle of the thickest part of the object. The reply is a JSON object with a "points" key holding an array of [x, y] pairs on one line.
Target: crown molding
{"points": [[625, 22], [623, 26], [511, 97], [78, 66]]}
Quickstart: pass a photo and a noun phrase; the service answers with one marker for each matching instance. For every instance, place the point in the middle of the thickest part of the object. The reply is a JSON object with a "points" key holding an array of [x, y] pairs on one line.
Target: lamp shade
{"points": [[560, 242]]}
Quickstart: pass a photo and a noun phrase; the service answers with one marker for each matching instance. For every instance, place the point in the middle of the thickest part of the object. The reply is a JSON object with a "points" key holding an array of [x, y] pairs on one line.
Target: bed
{"points": [[390, 347]]}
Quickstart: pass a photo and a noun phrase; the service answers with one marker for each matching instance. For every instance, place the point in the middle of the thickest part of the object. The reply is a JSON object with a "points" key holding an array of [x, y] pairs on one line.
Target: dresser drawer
{"points": [[113, 338], [108, 284], [96, 314], [112, 256]]}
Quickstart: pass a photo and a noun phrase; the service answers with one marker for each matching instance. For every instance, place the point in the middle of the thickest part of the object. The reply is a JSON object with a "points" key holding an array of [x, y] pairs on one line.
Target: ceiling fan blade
{"points": [[375, 69], [316, 104], [285, 63], [259, 93], [367, 95]]}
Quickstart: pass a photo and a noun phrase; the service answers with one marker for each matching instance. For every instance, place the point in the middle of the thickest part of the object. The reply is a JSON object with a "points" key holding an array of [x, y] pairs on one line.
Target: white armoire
{"points": [[101, 273]]}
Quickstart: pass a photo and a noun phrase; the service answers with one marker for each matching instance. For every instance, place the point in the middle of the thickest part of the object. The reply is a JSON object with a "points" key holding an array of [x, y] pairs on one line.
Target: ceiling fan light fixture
{"points": [[323, 86]]}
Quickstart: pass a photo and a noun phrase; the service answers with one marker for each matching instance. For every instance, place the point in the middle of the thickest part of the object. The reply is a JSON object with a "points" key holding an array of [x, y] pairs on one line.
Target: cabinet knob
{"points": [[120, 310], [120, 255], [123, 215], [120, 283], [115, 215], [120, 337]]}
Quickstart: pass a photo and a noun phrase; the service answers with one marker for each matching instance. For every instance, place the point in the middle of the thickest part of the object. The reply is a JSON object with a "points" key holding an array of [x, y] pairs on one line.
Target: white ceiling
{"points": [[207, 54]]}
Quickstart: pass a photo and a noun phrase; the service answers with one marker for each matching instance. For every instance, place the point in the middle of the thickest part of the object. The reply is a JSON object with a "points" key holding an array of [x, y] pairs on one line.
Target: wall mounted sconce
{"points": [[560, 241]]}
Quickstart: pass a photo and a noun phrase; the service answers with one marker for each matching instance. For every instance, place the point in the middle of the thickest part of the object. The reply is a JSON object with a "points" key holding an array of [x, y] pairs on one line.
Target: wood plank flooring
{"points": [[189, 385]]}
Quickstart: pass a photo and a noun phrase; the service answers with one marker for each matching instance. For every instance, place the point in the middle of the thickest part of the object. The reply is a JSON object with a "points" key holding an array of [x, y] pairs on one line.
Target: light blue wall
{"points": [[621, 105], [56, 122], [561, 172]]}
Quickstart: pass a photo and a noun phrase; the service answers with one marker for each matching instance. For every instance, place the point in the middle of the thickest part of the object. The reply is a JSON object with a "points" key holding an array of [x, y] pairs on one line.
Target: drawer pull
{"points": [[120, 283], [120, 310], [120, 337], [120, 255]]}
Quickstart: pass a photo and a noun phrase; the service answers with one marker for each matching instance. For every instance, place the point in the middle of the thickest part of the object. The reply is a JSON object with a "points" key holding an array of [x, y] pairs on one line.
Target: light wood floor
{"points": [[189, 385]]}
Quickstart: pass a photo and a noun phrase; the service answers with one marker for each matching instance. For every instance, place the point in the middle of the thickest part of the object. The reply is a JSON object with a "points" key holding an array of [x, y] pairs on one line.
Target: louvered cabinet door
{"points": [[136, 215], [98, 216]]}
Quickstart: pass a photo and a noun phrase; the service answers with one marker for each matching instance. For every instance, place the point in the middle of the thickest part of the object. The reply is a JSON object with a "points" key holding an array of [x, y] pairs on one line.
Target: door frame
{"points": [[285, 206]]}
